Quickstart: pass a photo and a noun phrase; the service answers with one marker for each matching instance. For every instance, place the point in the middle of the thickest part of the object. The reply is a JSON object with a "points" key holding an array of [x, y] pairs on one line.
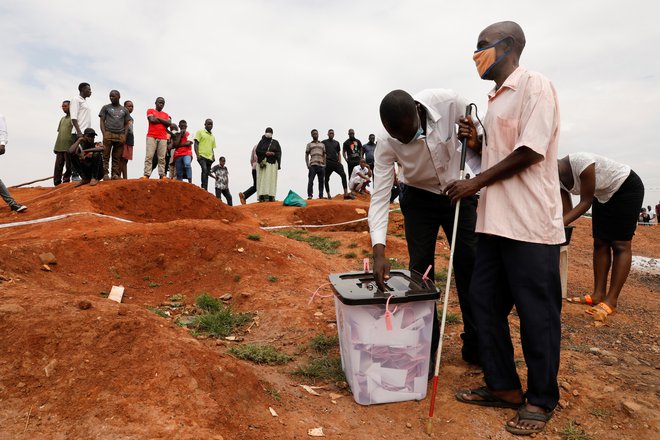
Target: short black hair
{"points": [[81, 86], [127, 101], [397, 107], [313, 130], [66, 101], [183, 121], [221, 158]]}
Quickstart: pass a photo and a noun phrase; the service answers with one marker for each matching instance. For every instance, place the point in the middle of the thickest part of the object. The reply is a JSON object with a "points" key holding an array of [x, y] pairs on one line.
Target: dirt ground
{"points": [[76, 365]]}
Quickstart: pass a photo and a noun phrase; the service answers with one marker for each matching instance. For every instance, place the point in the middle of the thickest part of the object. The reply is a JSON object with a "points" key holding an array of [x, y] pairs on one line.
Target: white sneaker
{"points": [[19, 208]]}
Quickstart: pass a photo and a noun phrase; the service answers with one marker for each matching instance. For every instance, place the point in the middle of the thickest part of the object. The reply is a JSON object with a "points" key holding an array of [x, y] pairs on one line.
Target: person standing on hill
{"points": [[182, 153], [127, 151], [269, 157], [519, 222], [115, 123], [333, 164], [243, 196], [4, 192], [369, 149], [221, 175], [81, 118], [315, 160], [204, 146], [615, 193], [352, 151], [159, 122], [61, 149]]}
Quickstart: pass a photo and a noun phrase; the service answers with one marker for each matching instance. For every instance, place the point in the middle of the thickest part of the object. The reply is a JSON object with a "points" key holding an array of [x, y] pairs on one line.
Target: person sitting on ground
{"points": [[4, 192], [87, 157], [615, 194], [360, 177], [182, 153], [651, 214], [644, 217], [221, 175]]}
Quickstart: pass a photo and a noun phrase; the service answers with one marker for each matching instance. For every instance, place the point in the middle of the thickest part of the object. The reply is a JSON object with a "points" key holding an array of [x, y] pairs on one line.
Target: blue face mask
{"points": [[419, 133]]}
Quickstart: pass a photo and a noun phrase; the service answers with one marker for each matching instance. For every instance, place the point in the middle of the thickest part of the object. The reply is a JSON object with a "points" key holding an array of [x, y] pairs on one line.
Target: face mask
{"points": [[485, 59], [269, 135], [419, 133]]}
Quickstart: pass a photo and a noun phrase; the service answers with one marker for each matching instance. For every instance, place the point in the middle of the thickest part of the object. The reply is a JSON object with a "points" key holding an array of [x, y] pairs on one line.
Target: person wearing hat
{"points": [[87, 157]]}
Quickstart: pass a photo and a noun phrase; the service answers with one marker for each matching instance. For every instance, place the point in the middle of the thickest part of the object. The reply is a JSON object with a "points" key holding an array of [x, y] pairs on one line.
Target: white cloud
{"points": [[297, 65]]}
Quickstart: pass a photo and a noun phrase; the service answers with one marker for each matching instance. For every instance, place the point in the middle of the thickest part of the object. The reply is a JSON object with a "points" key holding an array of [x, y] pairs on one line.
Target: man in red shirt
{"points": [[182, 153], [159, 121]]}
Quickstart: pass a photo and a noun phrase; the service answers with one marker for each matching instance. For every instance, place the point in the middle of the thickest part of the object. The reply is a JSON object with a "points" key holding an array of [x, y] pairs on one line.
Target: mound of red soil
{"points": [[136, 200]]}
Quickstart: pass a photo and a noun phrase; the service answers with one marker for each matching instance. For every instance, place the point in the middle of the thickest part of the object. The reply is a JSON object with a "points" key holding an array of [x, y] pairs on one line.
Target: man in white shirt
{"points": [[421, 137], [4, 192], [81, 117]]}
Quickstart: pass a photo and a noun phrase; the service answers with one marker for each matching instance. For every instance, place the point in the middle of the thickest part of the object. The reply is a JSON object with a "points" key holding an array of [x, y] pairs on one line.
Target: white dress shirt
{"points": [[80, 111], [4, 135], [429, 163]]}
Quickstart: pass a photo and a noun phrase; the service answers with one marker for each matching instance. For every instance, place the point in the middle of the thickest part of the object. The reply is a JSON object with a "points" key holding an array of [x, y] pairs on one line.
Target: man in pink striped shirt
{"points": [[519, 222]]}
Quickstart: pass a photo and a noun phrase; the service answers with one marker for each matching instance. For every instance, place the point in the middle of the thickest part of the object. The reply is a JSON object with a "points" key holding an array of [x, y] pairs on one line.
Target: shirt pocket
{"points": [[506, 134]]}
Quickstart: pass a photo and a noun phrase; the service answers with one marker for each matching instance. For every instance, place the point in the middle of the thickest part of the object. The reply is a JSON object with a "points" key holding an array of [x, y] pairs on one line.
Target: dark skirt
{"points": [[616, 220]]}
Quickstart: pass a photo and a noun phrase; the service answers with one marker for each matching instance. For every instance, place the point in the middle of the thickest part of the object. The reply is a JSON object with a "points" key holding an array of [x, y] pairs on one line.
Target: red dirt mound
{"points": [[136, 200]]}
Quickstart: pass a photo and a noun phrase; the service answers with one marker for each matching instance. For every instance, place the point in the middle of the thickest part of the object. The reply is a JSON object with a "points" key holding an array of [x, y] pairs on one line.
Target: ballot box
{"points": [[385, 337]]}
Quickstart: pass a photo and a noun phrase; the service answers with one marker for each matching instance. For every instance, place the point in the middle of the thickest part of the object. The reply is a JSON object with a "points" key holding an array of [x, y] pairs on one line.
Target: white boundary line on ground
{"points": [[269, 228], [59, 217]]}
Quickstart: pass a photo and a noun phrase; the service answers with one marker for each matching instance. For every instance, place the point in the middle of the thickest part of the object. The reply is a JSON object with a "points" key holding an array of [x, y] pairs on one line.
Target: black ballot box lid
{"points": [[359, 288]]}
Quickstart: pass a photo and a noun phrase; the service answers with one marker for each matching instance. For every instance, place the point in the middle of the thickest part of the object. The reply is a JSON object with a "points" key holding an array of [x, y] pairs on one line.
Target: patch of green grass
{"points": [[158, 312], [104, 293], [365, 252], [146, 277], [519, 362], [323, 343], [153, 285], [396, 264], [207, 303], [272, 278], [352, 245], [273, 392], [176, 298], [350, 255], [237, 278], [254, 237], [453, 318], [573, 432], [599, 412], [294, 234], [441, 277], [321, 368], [322, 244], [220, 323], [260, 354]]}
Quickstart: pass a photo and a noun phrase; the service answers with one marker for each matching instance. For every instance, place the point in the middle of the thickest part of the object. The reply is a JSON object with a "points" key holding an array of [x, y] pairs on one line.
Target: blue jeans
{"points": [[183, 167]]}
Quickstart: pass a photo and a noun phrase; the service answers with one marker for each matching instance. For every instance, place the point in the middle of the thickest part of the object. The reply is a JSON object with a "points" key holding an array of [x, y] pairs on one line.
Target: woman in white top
{"points": [[616, 194]]}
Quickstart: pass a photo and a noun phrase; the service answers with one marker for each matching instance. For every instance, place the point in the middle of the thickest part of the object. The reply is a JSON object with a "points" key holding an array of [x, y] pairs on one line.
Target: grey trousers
{"points": [[4, 193]]}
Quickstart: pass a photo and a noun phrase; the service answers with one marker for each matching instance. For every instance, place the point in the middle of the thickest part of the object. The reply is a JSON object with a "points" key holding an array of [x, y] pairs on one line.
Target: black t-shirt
{"points": [[332, 150], [353, 150]]}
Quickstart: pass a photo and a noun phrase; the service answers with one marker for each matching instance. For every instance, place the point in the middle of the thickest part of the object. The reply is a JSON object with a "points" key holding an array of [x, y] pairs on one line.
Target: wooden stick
{"points": [[27, 421], [34, 181]]}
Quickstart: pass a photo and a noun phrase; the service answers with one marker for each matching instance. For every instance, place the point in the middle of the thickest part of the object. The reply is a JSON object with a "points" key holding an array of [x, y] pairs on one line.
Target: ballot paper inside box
{"points": [[385, 358]]}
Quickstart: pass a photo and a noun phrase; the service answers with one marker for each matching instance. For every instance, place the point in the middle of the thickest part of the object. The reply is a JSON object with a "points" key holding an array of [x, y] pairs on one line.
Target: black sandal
{"points": [[525, 415], [487, 399]]}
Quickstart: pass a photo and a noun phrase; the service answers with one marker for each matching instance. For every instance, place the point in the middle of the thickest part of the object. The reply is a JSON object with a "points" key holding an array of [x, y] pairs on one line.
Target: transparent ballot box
{"points": [[385, 337]]}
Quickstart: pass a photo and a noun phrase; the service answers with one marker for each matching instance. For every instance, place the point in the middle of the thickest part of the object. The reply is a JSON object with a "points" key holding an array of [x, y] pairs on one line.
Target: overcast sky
{"points": [[297, 65]]}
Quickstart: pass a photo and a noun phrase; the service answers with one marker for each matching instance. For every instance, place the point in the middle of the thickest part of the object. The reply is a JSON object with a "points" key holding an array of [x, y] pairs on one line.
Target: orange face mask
{"points": [[485, 58]]}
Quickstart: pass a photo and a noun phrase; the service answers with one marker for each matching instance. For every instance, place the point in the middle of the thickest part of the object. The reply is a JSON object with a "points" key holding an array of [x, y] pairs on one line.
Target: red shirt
{"points": [[183, 151], [158, 131]]}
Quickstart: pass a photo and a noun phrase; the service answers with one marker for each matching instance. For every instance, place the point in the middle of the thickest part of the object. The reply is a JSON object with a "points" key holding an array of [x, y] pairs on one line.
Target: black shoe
{"points": [[19, 208]]}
